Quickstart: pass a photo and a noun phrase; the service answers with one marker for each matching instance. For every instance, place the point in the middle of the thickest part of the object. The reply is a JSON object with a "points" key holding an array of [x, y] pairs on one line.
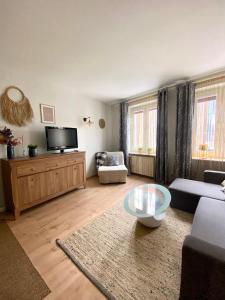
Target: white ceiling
{"points": [[112, 49]]}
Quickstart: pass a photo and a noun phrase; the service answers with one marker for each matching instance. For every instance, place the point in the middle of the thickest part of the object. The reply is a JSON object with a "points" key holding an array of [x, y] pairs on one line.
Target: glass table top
{"points": [[147, 200]]}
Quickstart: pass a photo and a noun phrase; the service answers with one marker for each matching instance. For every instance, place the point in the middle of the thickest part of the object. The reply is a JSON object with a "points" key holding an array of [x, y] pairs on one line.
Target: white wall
{"points": [[69, 108]]}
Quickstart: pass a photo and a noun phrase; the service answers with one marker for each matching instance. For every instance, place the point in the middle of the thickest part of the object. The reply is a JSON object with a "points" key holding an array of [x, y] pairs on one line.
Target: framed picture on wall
{"points": [[47, 113]]}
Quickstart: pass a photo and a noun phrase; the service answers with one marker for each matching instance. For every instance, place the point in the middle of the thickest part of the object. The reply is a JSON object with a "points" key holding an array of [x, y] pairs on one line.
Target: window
{"points": [[142, 127], [208, 139], [138, 129], [206, 115]]}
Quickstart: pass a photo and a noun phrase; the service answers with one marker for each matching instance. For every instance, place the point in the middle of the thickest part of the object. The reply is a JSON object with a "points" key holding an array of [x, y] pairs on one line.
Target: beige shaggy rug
{"points": [[19, 279], [126, 260]]}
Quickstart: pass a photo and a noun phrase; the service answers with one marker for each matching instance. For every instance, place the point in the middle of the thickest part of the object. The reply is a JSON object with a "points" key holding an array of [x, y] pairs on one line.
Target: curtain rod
{"points": [[195, 79]]}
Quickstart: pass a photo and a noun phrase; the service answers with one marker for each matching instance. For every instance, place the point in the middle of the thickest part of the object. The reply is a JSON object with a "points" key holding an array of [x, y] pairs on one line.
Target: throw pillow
{"points": [[100, 159], [113, 160]]}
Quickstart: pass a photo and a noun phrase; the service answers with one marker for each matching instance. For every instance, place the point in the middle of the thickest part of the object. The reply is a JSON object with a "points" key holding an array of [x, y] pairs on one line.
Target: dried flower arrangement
{"points": [[7, 137]]}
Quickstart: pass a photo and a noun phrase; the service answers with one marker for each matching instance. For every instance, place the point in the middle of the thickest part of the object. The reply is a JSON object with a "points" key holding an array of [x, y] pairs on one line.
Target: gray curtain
{"points": [[123, 132], [161, 167], [185, 110]]}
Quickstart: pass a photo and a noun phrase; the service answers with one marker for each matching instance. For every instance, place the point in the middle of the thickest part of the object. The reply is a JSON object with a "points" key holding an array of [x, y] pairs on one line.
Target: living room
{"points": [[112, 152]]}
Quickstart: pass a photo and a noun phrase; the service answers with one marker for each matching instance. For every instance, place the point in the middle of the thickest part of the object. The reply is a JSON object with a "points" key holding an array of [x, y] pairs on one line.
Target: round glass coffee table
{"points": [[148, 203]]}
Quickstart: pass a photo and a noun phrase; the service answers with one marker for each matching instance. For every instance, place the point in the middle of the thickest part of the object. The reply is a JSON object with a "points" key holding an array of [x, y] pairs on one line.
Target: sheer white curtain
{"points": [[142, 125], [208, 148]]}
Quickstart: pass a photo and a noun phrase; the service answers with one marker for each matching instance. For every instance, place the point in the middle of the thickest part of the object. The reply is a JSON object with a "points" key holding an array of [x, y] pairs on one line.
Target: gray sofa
{"points": [[203, 252], [185, 193]]}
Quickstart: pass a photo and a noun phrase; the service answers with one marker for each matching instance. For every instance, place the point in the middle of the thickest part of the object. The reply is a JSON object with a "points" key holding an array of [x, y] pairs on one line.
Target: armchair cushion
{"points": [[112, 174], [112, 168]]}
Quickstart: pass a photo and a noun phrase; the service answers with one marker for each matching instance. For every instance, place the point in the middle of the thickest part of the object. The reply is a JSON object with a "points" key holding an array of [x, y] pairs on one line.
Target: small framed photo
{"points": [[47, 113]]}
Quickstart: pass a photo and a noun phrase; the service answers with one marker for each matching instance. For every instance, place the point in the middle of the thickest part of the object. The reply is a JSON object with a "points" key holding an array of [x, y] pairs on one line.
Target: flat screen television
{"points": [[61, 138]]}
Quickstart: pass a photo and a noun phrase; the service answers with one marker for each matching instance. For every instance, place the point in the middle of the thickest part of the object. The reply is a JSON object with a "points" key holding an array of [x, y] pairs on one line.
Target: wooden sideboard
{"points": [[30, 181]]}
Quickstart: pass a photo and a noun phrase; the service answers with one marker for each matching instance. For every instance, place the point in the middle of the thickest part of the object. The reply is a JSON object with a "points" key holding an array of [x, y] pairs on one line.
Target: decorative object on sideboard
{"points": [[8, 139], [47, 113], [32, 150], [87, 120], [101, 123], [16, 112]]}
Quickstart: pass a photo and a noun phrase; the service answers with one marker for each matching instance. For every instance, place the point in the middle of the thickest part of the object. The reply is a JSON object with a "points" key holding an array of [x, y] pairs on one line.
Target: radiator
{"points": [[142, 164]]}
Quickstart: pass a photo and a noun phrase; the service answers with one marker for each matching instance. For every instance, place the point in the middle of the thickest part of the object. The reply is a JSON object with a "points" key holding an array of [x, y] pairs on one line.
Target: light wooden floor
{"points": [[38, 228]]}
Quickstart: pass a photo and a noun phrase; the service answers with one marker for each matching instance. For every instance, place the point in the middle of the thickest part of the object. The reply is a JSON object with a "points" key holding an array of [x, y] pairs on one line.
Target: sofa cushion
{"points": [[209, 221], [199, 188]]}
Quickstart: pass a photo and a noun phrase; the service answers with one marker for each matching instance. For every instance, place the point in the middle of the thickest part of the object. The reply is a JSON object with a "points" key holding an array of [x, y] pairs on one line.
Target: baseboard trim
{"points": [[2, 209]]}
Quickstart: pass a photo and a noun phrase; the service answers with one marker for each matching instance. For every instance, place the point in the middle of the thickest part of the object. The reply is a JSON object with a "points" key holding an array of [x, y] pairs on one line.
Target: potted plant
{"points": [[140, 149], [150, 151], [32, 150], [8, 139]]}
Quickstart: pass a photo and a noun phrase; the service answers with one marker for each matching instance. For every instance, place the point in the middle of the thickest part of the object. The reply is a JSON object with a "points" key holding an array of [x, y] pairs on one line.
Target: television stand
{"points": [[31, 181]]}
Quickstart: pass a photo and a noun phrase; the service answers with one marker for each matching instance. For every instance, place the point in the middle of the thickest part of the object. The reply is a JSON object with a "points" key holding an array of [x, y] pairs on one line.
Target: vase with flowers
{"points": [[7, 138]]}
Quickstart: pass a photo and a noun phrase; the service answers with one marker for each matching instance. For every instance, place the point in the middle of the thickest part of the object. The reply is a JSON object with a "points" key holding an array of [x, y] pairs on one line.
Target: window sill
{"points": [[141, 154], [208, 159]]}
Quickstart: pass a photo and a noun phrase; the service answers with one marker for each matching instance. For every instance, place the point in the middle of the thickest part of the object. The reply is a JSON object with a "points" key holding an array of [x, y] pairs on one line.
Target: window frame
{"points": [[198, 153], [141, 112], [141, 107]]}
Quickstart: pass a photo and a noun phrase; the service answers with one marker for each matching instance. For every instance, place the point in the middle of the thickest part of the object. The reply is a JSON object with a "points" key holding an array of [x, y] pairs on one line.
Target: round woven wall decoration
{"points": [[101, 123], [16, 112]]}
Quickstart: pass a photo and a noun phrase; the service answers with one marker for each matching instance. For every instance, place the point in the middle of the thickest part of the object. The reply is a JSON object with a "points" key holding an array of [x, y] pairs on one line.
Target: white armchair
{"points": [[113, 169]]}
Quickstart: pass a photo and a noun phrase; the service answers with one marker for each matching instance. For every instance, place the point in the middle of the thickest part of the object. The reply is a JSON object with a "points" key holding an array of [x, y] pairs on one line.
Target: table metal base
{"points": [[154, 221]]}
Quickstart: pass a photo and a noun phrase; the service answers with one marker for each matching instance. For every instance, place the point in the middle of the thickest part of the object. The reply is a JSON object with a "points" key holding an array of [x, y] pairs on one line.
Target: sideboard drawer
{"points": [[75, 160], [29, 169], [52, 164]]}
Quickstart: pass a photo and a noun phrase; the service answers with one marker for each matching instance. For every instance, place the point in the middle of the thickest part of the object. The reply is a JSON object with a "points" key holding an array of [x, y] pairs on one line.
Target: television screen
{"points": [[59, 138]]}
